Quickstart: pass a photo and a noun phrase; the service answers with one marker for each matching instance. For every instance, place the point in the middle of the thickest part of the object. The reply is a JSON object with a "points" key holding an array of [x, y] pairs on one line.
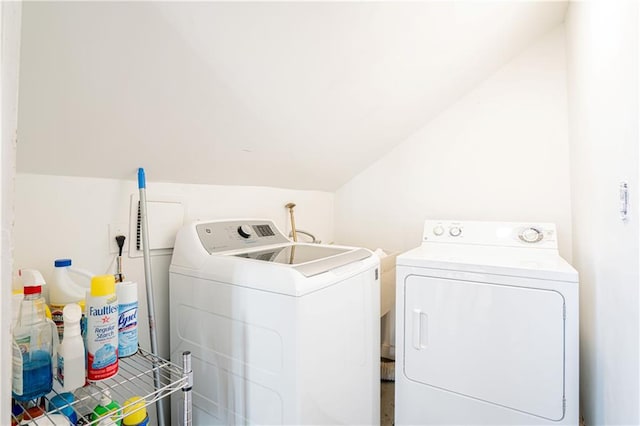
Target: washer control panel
{"points": [[443, 231], [238, 234], [509, 234]]}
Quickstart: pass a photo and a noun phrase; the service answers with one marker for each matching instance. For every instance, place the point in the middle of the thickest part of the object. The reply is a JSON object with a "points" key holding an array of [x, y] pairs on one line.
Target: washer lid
{"points": [[293, 254], [513, 261], [307, 259]]}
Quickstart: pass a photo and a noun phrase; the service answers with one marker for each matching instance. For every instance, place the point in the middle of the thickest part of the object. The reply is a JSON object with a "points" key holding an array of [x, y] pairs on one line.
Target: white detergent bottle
{"points": [[102, 328], [69, 285], [71, 370]]}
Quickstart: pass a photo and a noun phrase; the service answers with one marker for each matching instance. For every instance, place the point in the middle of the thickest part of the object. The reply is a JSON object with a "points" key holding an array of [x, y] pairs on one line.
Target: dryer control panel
{"points": [[504, 234], [228, 235]]}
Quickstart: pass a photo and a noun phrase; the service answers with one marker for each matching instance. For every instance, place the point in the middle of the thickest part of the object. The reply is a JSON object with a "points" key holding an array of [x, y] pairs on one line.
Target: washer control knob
{"points": [[531, 235], [438, 230], [455, 231], [244, 231]]}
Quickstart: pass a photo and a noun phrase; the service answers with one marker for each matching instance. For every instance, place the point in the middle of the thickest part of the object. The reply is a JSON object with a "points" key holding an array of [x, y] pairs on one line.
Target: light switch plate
{"points": [[165, 216]]}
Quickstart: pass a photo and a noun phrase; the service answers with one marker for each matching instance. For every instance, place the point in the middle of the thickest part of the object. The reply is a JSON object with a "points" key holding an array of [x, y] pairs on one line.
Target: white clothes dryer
{"points": [[279, 332], [487, 327]]}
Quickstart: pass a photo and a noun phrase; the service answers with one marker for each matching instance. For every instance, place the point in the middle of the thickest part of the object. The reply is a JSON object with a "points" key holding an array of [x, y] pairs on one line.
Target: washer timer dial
{"points": [[455, 231], [530, 235], [244, 231]]}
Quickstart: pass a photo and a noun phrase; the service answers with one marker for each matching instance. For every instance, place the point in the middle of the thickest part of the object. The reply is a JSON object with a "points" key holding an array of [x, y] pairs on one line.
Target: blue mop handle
{"points": [[153, 336], [141, 180]]}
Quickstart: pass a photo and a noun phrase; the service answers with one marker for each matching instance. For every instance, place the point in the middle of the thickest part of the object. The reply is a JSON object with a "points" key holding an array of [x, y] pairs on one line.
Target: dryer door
{"points": [[496, 343]]}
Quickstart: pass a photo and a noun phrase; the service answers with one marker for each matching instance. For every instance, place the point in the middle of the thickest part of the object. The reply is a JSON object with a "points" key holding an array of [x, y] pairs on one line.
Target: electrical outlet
{"points": [[116, 229]]}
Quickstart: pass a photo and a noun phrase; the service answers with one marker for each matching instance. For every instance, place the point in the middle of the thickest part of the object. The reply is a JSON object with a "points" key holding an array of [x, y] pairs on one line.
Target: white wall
{"points": [[499, 153], [10, 18], [58, 217], [235, 93], [602, 45]]}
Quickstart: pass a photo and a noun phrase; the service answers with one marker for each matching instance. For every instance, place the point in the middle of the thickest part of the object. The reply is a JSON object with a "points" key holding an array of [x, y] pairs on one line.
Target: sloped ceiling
{"points": [[294, 95]]}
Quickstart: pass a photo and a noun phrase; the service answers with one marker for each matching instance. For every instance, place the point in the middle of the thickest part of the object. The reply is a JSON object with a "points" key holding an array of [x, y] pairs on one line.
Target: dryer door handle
{"points": [[419, 329]]}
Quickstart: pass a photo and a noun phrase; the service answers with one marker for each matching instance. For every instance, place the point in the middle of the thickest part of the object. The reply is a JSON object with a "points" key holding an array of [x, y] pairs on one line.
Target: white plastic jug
{"points": [[65, 289]]}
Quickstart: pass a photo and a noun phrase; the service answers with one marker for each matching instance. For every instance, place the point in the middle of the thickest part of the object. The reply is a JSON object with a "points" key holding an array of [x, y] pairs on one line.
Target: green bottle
{"points": [[107, 408]]}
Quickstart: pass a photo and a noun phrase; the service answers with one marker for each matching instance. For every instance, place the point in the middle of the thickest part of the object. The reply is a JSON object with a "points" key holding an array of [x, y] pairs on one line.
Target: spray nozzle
{"points": [[32, 280], [105, 399]]}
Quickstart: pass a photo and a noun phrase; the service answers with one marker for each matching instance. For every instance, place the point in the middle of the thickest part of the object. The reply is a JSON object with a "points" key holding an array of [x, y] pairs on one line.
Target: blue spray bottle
{"points": [[34, 341]]}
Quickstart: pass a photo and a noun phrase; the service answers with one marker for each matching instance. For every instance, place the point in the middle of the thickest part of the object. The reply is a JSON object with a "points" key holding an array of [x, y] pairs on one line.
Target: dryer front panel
{"points": [[500, 344]]}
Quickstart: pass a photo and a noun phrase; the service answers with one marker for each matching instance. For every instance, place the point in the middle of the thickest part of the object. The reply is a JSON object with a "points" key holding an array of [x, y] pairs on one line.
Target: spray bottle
{"points": [[64, 290], [34, 342], [71, 369]]}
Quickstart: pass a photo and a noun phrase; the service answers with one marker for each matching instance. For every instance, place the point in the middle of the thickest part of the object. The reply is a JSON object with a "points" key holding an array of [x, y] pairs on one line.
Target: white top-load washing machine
{"points": [[487, 327], [279, 332]]}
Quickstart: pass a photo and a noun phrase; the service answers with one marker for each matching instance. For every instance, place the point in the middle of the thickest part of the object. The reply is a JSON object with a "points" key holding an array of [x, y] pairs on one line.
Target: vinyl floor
{"points": [[387, 393]]}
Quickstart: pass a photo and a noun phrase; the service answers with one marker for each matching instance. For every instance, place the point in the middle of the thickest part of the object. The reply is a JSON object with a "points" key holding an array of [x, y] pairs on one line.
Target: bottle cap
{"points": [[32, 289], [59, 263], [134, 411], [127, 292], [103, 285]]}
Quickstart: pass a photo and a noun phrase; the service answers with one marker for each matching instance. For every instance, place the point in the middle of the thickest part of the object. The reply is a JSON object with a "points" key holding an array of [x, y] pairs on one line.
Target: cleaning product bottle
{"points": [[63, 404], [102, 328], [34, 342], [134, 412], [127, 292], [108, 409], [85, 401], [71, 369], [64, 289]]}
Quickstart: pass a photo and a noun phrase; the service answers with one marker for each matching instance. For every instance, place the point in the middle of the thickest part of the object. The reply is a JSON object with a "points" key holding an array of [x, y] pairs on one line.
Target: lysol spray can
{"points": [[102, 328], [127, 292]]}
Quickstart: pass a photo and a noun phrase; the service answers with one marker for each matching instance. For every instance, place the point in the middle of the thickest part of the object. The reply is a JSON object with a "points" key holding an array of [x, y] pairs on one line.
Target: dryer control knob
{"points": [[455, 231], [530, 235], [244, 231], [438, 230]]}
